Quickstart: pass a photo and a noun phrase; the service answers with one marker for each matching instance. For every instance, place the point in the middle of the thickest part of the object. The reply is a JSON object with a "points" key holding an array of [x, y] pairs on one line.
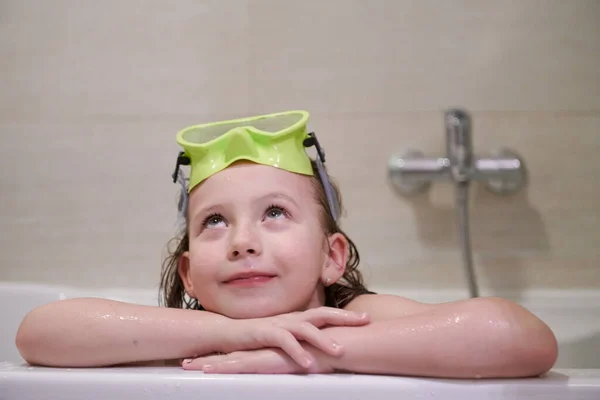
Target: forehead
{"points": [[245, 179]]}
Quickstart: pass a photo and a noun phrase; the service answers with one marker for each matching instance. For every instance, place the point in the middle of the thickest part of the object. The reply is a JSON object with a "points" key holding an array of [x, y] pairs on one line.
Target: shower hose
{"points": [[462, 202]]}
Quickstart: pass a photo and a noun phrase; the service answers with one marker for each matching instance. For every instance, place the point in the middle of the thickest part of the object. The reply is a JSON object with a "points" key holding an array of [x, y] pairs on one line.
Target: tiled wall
{"points": [[92, 94]]}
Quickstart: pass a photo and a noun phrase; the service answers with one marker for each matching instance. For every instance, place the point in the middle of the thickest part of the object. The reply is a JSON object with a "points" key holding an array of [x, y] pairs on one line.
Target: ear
{"points": [[337, 256], [183, 268]]}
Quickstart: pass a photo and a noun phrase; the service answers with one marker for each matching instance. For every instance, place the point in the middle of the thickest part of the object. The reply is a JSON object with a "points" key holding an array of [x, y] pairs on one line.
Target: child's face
{"points": [[260, 221]]}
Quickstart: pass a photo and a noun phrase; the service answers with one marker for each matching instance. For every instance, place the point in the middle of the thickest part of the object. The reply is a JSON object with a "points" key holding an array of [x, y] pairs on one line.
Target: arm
{"points": [[483, 337], [91, 332]]}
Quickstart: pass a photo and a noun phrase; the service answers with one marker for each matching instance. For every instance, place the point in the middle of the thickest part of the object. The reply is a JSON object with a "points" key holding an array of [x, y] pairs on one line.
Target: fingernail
{"points": [[336, 346], [187, 361], [306, 362], [208, 368]]}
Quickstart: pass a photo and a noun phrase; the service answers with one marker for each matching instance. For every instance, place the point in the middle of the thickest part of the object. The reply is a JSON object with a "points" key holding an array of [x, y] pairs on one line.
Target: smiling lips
{"points": [[249, 278]]}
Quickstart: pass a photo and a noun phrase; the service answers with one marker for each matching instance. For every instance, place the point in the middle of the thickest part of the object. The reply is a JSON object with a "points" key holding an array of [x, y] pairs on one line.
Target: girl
{"points": [[263, 280]]}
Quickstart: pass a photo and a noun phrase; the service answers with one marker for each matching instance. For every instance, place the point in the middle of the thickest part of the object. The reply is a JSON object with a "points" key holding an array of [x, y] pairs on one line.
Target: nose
{"points": [[245, 242]]}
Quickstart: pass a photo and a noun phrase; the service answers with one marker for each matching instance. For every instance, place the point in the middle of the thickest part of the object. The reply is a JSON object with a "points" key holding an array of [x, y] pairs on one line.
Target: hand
{"points": [[262, 361], [286, 330]]}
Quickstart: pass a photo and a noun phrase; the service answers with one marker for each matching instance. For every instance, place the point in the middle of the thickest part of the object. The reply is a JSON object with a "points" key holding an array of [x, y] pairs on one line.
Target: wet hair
{"points": [[337, 295]]}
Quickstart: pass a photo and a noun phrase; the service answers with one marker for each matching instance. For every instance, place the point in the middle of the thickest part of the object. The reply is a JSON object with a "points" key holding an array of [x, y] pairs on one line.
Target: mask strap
{"points": [[180, 178], [331, 195], [182, 203], [182, 159]]}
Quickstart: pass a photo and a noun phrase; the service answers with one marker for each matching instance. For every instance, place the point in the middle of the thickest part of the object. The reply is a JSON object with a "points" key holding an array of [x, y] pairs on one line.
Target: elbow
{"points": [[528, 347], [26, 340], [535, 353], [538, 349], [543, 359], [31, 339]]}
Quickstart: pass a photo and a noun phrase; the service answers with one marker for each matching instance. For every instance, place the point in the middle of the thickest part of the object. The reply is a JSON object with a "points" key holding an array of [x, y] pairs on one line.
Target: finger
{"points": [[196, 364], [253, 363], [334, 316], [318, 338], [286, 341]]}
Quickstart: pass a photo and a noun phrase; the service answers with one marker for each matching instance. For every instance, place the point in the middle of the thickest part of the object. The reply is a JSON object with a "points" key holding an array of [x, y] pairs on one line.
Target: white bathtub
{"points": [[574, 317]]}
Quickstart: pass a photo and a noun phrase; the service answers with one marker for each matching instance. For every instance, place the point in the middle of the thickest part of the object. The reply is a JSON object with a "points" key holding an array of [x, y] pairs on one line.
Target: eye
{"points": [[276, 212], [213, 221]]}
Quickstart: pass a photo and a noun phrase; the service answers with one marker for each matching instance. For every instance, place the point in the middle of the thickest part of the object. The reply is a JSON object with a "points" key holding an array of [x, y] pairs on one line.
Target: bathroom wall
{"points": [[92, 94]]}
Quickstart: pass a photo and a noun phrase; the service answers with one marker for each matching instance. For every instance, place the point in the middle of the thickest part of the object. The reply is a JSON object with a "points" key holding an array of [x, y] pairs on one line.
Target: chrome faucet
{"points": [[502, 173], [459, 147]]}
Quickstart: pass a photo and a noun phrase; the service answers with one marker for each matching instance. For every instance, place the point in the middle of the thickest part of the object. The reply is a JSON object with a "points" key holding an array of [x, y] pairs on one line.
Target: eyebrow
{"points": [[278, 195]]}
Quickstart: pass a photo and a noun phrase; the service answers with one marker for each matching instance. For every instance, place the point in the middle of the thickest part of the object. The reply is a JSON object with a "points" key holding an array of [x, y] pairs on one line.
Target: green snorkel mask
{"points": [[278, 140]]}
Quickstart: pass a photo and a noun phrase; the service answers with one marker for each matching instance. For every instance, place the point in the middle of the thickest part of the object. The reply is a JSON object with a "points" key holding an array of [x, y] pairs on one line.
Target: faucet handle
{"points": [[411, 173], [503, 173]]}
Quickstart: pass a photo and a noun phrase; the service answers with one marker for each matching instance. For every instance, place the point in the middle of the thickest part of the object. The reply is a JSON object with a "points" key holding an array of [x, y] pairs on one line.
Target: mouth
{"points": [[250, 278]]}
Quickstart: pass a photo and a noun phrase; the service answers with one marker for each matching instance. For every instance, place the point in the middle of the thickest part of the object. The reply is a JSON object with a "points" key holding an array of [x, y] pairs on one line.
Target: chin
{"points": [[260, 308]]}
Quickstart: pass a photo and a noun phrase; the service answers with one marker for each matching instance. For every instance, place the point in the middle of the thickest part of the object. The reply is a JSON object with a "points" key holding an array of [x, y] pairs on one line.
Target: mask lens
{"points": [[268, 125], [205, 134]]}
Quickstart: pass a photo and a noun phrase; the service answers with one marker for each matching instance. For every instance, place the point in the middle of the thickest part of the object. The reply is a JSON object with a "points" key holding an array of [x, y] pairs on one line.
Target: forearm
{"points": [[454, 341], [98, 332]]}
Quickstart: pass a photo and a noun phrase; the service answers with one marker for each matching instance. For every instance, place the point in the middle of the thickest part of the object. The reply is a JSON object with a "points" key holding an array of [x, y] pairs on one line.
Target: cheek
{"points": [[204, 261], [301, 249], [204, 268]]}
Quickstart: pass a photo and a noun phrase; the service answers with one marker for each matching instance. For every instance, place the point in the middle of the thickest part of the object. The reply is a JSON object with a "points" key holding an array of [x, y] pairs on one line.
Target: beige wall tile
{"points": [[74, 60], [341, 56], [86, 204]]}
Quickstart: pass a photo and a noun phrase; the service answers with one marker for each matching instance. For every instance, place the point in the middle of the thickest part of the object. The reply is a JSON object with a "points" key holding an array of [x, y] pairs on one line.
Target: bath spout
{"points": [[459, 146]]}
